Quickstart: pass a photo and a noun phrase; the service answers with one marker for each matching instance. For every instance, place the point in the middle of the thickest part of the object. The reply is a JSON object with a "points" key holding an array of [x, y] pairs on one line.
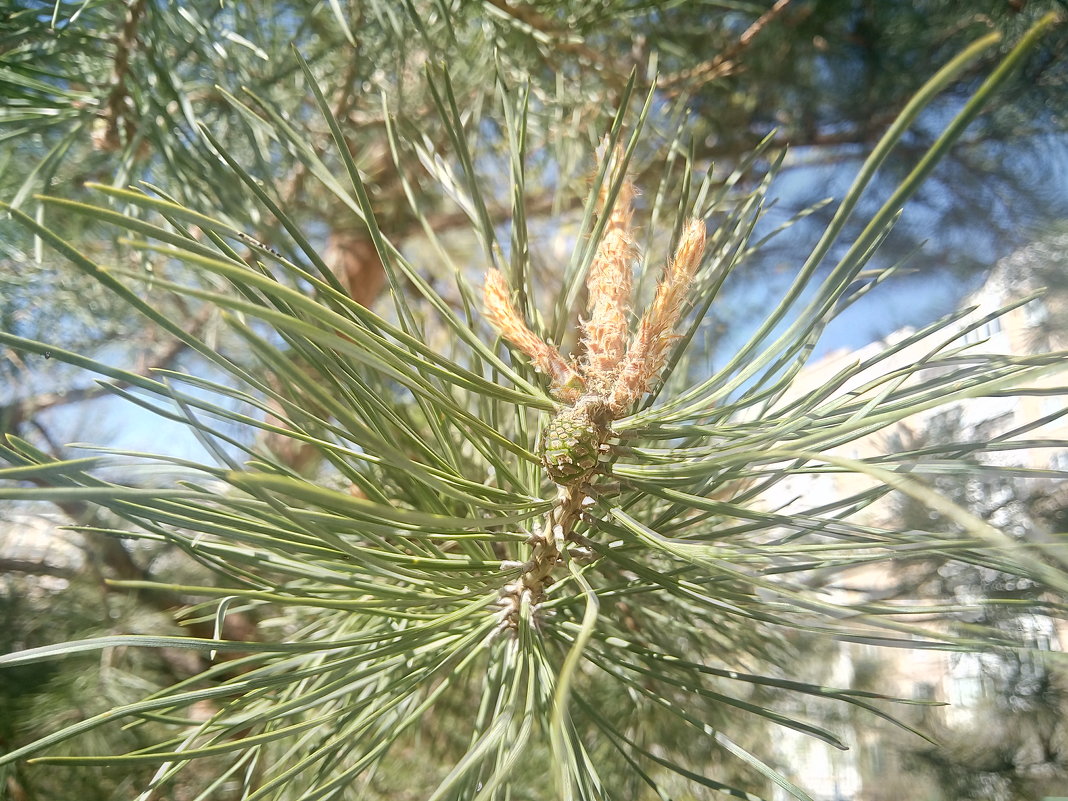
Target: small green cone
{"points": [[571, 443]]}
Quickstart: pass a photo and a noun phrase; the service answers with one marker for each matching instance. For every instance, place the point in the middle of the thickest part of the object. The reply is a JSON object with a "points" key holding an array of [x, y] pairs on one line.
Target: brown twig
{"points": [[118, 104], [545, 555], [724, 63]]}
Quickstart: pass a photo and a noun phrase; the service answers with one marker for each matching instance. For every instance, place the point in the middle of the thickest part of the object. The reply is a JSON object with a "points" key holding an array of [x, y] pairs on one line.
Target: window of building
{"points": [[1036, 312], [983, 332]]}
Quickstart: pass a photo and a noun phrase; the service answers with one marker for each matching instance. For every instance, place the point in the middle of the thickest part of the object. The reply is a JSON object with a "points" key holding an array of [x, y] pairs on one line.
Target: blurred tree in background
{"points": [[114, 92], [118, 93]]}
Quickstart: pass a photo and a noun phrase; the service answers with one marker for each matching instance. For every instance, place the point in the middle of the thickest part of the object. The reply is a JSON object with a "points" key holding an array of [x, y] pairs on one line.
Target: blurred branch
{"points": [[563, 40], [118, 102], [46, 435], [724, 63], [108, 550], [34, 568], [23, 410]]}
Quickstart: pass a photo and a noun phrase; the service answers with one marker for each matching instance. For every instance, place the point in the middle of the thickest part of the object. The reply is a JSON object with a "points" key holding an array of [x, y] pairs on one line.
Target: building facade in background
{"points": [[995, 722]]}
